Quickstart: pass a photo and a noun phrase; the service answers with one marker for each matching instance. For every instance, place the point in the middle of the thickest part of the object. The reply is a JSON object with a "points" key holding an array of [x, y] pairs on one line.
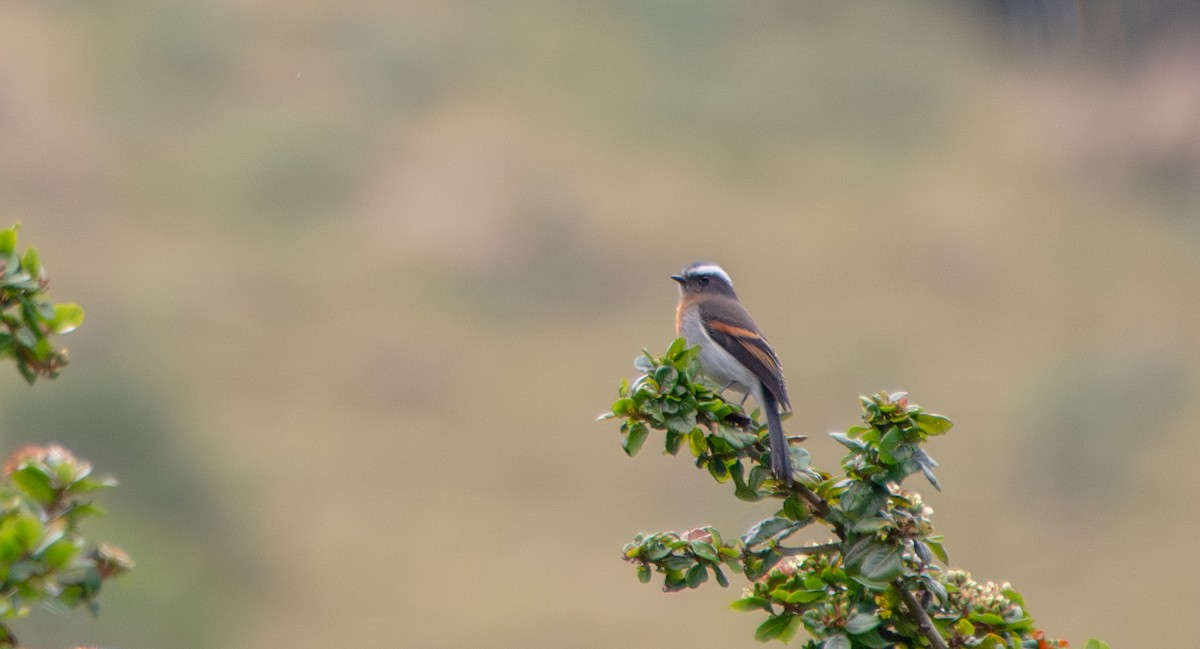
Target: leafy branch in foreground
{"points": [[27, 317], [879, 581], [44, 558], [46, 491]]}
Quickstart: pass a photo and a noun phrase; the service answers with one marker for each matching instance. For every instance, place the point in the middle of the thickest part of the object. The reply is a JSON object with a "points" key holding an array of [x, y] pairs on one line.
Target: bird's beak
{"points": [[678, 278]]}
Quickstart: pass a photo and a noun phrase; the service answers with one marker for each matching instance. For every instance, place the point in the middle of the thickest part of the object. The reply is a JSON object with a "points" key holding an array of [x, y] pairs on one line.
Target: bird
{"points": [[733, 350]]}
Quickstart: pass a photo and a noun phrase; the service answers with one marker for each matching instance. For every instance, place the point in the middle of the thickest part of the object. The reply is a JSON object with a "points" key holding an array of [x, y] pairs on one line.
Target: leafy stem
{"points": [[46, 492]]}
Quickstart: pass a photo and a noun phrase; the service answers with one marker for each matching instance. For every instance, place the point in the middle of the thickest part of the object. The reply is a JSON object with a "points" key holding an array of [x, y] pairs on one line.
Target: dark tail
{"points": [[781, 455]]}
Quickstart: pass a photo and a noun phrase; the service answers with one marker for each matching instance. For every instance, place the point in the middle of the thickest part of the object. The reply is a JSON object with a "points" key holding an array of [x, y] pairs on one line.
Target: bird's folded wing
{"points": [[749, 347]]}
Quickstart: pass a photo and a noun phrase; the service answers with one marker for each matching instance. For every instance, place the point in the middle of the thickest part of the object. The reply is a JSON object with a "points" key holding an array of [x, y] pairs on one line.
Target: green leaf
{"points": [[781, 627], [874, 560], [705, 551], [8, 240], [44, 311], [86, 485], [871, 436], [964, 627], [802, 596], [769, 528], [675, 563], [888, 444], [870, 525], [854, 551], [871, 640], [35, 483], [721, 578], [935, 544], [861, 623], [677, 347], [719, 446], [623, 388], [719, 471], [636, 437], [643, 573], [696, 575], [758, 475], [17, 278], [656, 550], [624, 407], [736, 438], [1096, 644], [742, 490], [801, 459], [60, 553], [935, 587], [674, 439], [1014, 596], [922, 551], [42, 349], [848, 442], [31, 262], [837, 641], [932, 424], [18, 535], [728, 553], [25, 337], [750, 604], [83, 510], [666, 375], [863, 499], [794, 509], [990, 619], [883, 563]]}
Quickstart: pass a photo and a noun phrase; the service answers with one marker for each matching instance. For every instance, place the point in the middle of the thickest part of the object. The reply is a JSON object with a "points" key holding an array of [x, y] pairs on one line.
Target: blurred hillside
{"points": [[349, 267]]}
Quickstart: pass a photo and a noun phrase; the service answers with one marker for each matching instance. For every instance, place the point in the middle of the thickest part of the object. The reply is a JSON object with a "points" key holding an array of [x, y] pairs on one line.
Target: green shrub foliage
{"points": [[881, 580], [46, 492]]}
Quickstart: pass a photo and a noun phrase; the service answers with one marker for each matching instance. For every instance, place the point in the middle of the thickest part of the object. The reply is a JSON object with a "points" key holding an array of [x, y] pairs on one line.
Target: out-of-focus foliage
{"points": [[44, 558], [876, 584], [27, 316], [46, 492]]}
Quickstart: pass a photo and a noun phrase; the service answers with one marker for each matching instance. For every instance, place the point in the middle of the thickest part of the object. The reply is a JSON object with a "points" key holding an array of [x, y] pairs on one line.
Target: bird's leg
{"points": [[729, 385]]}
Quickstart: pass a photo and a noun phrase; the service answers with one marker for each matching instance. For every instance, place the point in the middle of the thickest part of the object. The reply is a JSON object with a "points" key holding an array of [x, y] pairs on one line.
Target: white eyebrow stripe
{"points": [[711, 269]]}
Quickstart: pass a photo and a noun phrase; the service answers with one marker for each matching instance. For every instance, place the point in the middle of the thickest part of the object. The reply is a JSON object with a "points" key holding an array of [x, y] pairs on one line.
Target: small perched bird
{"points": [[733, 351]]}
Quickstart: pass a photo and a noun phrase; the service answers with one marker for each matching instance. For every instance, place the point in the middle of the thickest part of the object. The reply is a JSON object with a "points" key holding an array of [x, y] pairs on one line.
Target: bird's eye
{"points": [[703, 280]]}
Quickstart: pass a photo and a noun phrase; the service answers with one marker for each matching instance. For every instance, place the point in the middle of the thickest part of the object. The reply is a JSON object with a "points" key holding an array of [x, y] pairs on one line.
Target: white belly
{"points": [[717, 363]]}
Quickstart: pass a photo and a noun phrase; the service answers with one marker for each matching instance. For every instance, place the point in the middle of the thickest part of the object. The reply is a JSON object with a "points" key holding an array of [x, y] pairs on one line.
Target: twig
{"points": [[820, 548], [819, 507], [917, 613]]}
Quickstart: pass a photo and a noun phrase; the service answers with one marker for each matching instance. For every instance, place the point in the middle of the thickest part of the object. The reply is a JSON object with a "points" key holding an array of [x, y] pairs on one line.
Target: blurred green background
{"points": [[359, 276]]}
